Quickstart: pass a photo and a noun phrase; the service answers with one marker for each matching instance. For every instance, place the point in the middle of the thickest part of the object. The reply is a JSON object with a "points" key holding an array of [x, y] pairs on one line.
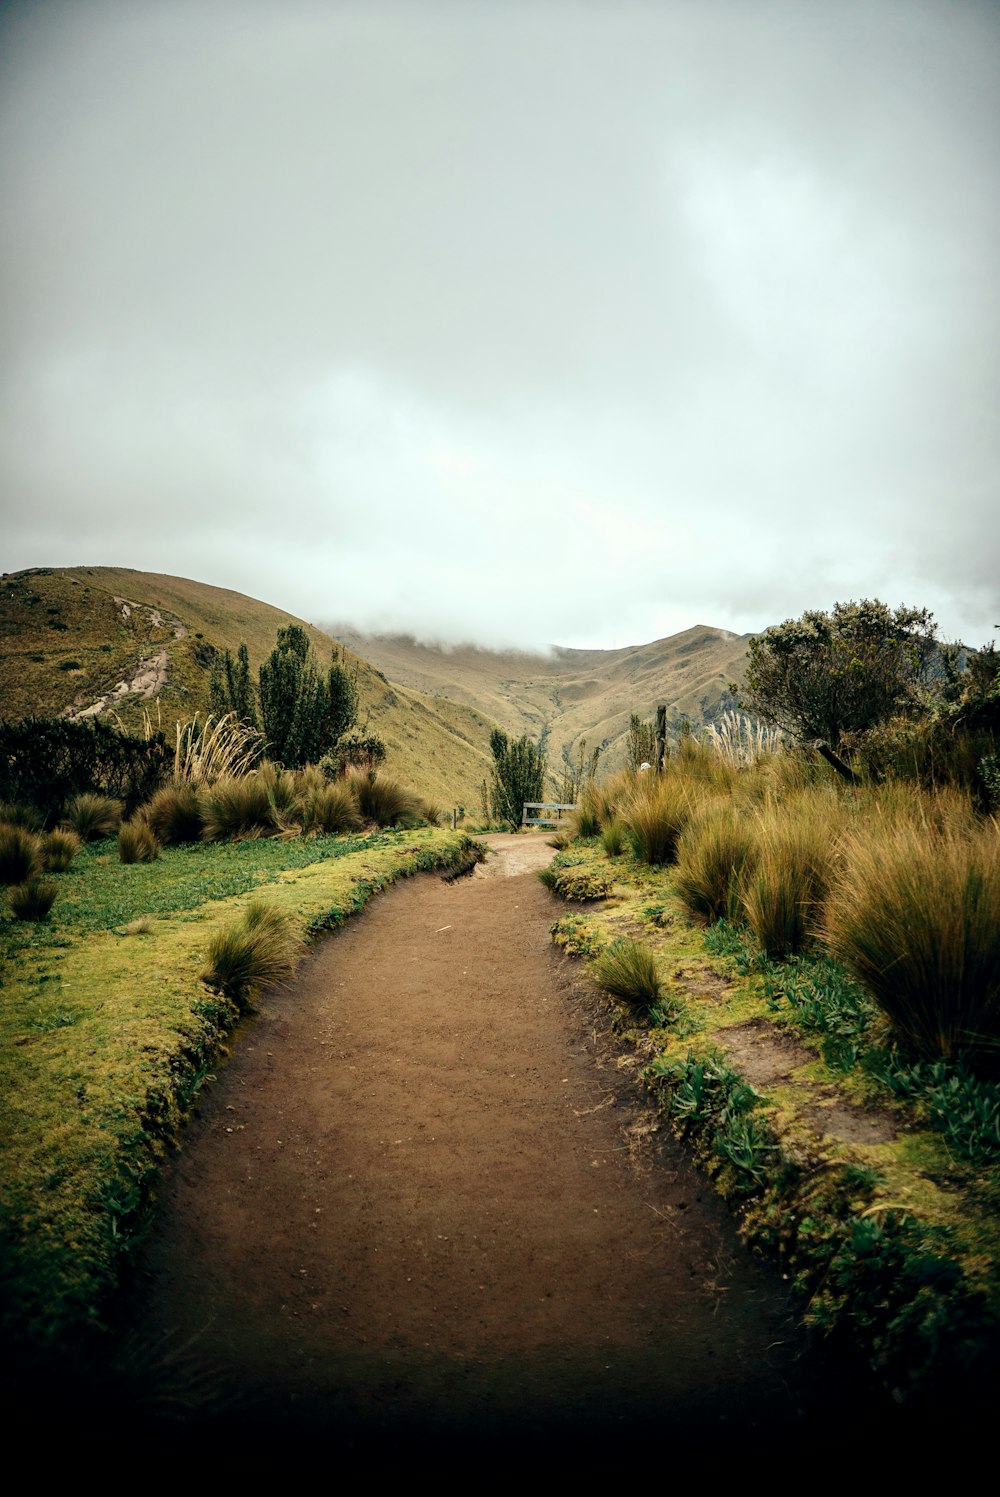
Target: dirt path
{"points": [[424, 1208]]}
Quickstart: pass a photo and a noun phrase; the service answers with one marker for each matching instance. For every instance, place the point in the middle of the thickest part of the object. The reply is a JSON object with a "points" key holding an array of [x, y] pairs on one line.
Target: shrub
{"points": [[237, 807], [137, 843], [20, 855], [59, 848], [655, 815], [93, 816], [627, 970], [915, 917], [787, 879], [48, 761], [33, 899], [329, 808], [259, 948], [715, 852], [383, 801], [174, 813]]}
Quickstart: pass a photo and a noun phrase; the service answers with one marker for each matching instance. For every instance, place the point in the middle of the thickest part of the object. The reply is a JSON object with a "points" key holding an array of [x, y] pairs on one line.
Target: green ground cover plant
{"points": [[107, 1037]]}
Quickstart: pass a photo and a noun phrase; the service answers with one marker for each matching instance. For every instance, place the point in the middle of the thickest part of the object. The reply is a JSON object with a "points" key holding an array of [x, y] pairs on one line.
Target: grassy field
{"points": [[107, 1032], [875, 1180]]}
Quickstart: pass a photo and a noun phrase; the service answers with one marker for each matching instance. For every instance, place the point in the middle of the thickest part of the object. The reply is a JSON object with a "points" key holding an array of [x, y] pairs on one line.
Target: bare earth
{"points": [[424, 1208]]}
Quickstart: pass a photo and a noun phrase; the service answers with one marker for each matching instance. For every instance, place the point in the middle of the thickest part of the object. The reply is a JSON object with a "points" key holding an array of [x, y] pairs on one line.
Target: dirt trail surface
{"points": [[424, 1208]]}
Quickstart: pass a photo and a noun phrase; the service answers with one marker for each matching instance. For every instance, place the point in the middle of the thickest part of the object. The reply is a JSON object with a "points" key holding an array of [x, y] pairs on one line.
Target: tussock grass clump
{"points": [[142, 926], [174, 813], [237, 807], [17, 813], [601, 804], [33, 899], [93, 816], [20, 855], [915, 918], [137, 843], [627, 970], [329, 809], [260, 948], [383, 801], [59, 848], [786, 883], [613, 838], [431, 812], [715, 853], [655, 815], [219, 748]]}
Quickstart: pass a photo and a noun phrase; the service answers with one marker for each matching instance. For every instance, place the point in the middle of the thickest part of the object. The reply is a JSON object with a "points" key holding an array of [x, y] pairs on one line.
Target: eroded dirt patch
{"points": [[761, 1051]]}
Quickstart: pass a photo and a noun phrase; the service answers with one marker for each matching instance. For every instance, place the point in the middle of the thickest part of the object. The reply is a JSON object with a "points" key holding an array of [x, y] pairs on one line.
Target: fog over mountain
{"points": [[517, 324]]}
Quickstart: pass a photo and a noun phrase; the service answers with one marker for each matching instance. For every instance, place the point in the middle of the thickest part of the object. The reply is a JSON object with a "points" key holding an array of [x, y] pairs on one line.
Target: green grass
{"points": [[627, 970], [259, 948], [105, 1039]]}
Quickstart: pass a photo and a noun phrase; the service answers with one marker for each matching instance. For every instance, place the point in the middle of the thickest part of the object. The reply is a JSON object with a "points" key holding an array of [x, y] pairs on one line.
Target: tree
{"points": [[641, 747], [301, 712], [827, 675], [518, 776]]}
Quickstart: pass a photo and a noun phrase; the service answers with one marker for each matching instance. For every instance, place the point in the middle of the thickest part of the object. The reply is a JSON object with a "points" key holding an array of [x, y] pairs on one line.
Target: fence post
{"points": [[661, 737]]}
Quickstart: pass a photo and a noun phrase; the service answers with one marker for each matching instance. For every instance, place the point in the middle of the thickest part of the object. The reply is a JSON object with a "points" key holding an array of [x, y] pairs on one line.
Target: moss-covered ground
{"points": [[877, 1182], [107, 1032]]}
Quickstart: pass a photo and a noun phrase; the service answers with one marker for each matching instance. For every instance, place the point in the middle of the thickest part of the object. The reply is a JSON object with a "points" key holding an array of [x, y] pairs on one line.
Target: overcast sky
{"points": [[523, 323]]}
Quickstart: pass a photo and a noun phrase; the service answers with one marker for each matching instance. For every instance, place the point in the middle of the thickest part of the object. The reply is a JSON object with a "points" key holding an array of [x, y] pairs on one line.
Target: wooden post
{"points": [[661, 737], [454, 818]]}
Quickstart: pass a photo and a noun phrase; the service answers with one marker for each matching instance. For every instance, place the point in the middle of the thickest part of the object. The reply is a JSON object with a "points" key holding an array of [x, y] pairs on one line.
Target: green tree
{"points": [[300, 711], [641, 747], [518, 776], [232, 688], [828, 675]]}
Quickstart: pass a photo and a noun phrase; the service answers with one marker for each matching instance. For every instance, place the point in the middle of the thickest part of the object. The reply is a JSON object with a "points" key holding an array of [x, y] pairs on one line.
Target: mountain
{"points": [[89, 640], [575, 694]]}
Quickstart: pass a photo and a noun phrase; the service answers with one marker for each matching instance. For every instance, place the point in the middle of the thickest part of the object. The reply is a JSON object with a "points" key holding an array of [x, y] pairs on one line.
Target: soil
{"points": [[425, 1209]]}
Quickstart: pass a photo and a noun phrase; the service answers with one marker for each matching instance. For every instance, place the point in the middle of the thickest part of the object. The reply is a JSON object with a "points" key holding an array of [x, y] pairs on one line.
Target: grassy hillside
{"points": [[71, 638], [576, 693]]}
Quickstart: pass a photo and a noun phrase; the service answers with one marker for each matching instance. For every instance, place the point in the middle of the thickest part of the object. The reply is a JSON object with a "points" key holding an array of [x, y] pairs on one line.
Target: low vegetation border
{"points": [[854, 1179], [108, 1033]]}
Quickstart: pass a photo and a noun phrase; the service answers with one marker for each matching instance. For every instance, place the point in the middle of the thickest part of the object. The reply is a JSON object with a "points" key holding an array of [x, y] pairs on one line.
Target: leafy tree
{"points": [[827, 675], [641, 742], [518, 775], [301, 712], [232, 689]]}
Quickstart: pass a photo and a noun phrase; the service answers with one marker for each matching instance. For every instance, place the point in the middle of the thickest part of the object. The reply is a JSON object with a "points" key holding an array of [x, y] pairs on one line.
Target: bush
{"points": [[137, 844], [627, 970], [260, 948], [59, 848], [93, 816], [45, 762], [330, 809], [915, 918], [33, 899], [655, 815], [715, 852], [20, 855], [174, 814]]}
